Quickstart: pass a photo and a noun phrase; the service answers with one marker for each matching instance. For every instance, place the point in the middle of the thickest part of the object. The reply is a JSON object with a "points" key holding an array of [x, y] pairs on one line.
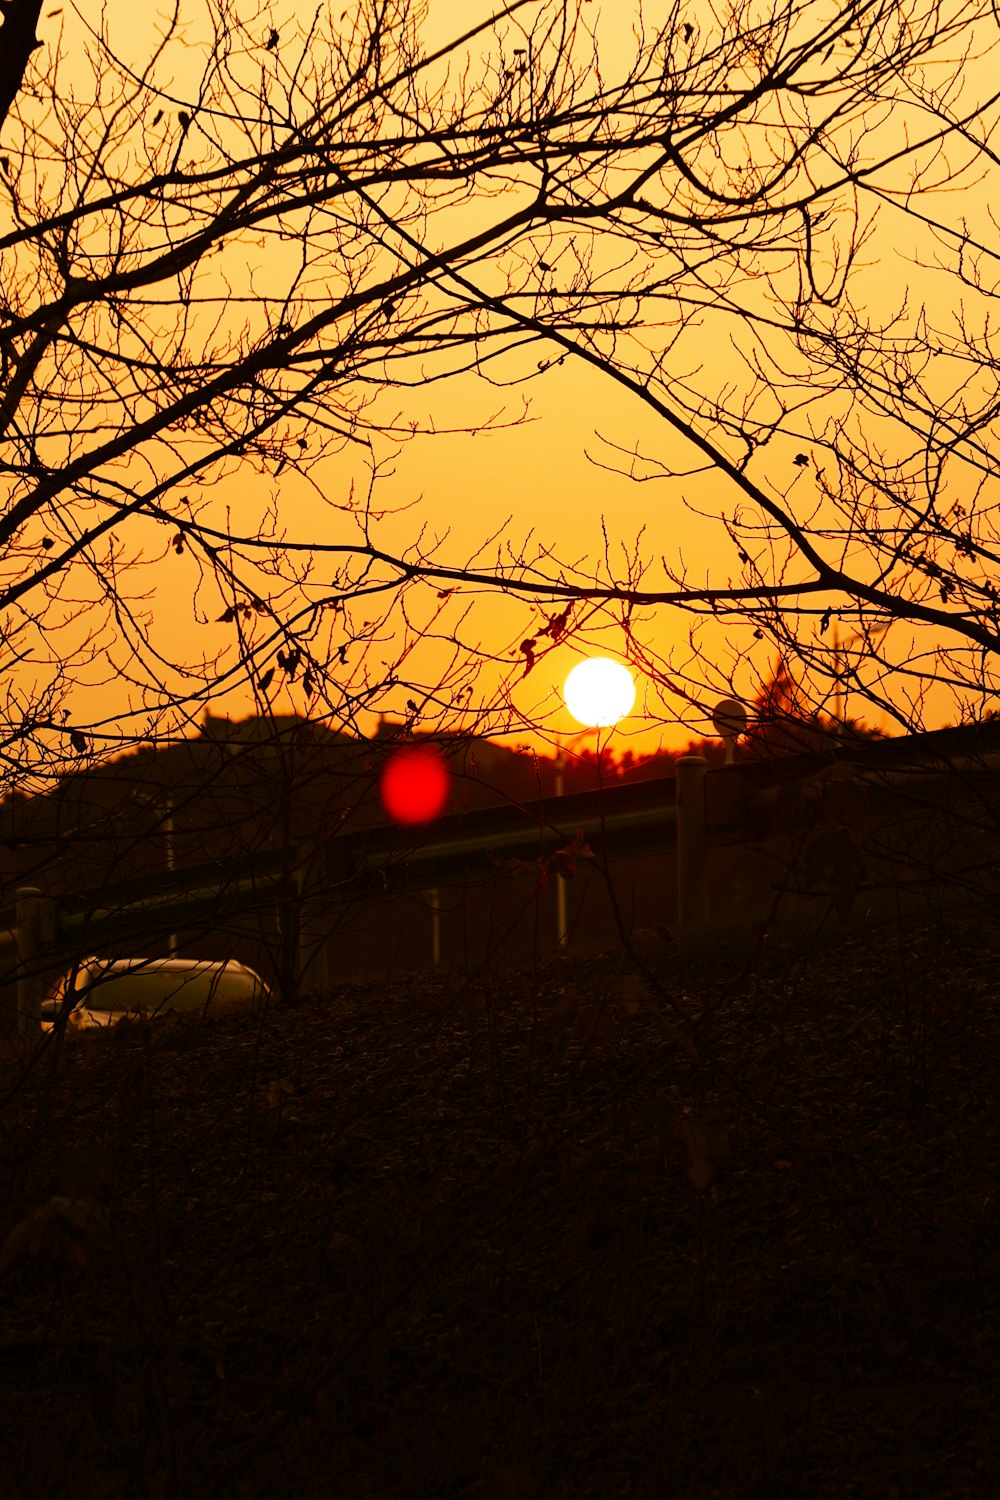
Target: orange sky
{"points": [[538, 474]]}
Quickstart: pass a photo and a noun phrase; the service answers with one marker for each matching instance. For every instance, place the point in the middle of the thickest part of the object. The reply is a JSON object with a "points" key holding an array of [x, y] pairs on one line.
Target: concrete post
{"points": [[8, 991], [562, 919], [692, 846], [36, 931]]}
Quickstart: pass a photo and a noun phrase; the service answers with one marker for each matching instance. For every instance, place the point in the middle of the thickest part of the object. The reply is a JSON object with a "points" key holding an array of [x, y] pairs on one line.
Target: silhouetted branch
{"points": [[17, 42]]}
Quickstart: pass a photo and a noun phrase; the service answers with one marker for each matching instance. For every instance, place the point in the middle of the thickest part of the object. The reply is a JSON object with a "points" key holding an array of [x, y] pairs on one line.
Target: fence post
{"points": [[692, 846], [434, 900], [36, 931], [8, 992], [313, 914], [562, 919]]}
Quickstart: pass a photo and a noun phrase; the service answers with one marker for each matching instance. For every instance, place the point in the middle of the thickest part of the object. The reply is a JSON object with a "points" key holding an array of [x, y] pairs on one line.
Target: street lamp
{"points": [[730, 720], [599, 693]]}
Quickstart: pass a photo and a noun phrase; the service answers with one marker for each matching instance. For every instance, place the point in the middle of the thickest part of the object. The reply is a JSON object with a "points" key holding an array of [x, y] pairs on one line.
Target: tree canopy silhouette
{"points": [[221, 274]]}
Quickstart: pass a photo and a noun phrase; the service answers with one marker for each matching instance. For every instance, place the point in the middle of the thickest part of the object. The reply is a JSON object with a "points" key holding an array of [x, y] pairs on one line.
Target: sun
{"points": [[599, 692]]}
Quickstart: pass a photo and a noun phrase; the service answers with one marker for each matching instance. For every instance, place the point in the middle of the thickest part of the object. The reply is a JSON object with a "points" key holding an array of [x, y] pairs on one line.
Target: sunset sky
{"points": [[545, 479]]}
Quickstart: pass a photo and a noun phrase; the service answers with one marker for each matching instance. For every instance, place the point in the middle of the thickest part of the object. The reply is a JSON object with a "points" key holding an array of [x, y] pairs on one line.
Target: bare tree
{"points": [[846, 450], [226, 266]]}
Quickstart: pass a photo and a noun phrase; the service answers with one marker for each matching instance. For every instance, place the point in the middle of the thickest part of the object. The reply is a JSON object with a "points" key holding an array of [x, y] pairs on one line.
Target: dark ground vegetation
{"points": [[509, 1239]]}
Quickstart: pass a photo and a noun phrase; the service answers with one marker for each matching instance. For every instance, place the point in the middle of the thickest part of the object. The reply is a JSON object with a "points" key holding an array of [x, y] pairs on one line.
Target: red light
{"points": [[414, 785]]}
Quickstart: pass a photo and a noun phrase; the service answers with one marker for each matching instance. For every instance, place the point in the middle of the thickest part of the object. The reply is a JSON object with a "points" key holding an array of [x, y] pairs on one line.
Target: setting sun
{"points": [[599, 692]]}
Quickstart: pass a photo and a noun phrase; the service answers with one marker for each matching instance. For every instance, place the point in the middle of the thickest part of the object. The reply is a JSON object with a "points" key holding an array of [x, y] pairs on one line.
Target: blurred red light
{"points": [[414, 785]]}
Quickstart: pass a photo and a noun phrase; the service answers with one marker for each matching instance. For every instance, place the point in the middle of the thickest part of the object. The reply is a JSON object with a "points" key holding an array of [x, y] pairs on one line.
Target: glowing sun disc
{"points": [[599, 692]]}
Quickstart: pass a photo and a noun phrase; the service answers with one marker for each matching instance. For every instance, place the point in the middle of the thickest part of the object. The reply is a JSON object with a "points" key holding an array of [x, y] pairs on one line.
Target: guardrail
{"points": [[693, 811], [622, 820]]}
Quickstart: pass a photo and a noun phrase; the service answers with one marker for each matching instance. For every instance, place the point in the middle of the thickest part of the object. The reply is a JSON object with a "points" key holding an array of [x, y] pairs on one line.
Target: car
{"points": [[105, 991]]}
